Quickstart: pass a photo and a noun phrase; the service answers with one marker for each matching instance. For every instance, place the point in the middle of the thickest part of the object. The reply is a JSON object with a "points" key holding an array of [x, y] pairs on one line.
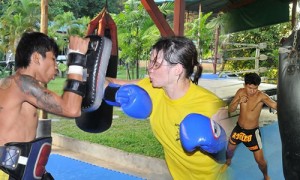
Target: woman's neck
{"points": [[177, 89]]}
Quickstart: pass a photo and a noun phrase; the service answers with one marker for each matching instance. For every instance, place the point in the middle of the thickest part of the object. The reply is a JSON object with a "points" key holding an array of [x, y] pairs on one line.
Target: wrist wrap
{"points": [[76, 59], [110, 92], [75, 86]]}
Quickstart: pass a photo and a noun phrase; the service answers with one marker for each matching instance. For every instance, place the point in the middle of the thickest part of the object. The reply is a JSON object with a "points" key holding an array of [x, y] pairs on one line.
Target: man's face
{"points": [[48, 67], [251, 89]]}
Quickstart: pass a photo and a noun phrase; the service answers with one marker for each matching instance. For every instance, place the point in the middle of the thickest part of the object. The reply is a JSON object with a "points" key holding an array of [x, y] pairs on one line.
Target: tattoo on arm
{"points": [[45, 100]]}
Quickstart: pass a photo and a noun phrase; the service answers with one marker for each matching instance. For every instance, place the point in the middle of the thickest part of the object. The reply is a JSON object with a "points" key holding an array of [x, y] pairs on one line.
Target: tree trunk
{"points": [[217, 32]]}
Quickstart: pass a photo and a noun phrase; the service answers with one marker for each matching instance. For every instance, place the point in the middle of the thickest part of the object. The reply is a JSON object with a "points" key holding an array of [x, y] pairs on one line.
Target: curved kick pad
{"points": [[99, 120], [288, 96], [98, 56]]}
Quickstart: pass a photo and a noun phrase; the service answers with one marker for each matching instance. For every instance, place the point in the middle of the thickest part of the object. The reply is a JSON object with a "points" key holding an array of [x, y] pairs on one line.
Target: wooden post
{"points": [[44, 16], [199, 34], [158, 18], [44, 125], [179, 16], [44, 29]]}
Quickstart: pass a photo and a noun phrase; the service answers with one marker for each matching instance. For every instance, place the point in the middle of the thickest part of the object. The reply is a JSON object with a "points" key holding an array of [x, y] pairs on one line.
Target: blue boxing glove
{"points": [[134, 100], [198, 131]]}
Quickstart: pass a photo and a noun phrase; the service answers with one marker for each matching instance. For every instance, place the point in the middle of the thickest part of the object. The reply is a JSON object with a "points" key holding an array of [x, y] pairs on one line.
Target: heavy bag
{"points": [[288, 105], [101, 119]]}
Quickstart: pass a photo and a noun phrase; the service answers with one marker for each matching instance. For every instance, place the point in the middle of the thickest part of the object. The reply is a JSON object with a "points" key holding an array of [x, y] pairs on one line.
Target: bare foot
{"points": [[267, 178]]}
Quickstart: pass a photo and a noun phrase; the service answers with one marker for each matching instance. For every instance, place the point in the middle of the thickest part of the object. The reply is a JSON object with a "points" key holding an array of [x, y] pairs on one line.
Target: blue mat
{"points": [[243, 164], [210, 76], [64, 168]]}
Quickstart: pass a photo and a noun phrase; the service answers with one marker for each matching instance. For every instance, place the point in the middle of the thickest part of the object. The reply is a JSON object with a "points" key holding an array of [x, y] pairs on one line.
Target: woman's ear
{"points": [[178, 69]]}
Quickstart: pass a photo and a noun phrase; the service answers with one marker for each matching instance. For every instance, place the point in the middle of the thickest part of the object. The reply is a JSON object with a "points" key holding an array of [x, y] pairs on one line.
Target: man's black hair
{"points": [[252, 78]]}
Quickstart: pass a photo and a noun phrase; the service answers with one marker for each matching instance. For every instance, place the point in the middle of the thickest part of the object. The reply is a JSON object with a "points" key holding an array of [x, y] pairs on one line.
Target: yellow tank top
{"points": [[165, 119]]}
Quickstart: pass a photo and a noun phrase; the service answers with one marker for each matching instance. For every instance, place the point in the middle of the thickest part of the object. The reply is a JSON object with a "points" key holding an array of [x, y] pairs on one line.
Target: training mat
{"points": [[243, 164], [65, 168]]}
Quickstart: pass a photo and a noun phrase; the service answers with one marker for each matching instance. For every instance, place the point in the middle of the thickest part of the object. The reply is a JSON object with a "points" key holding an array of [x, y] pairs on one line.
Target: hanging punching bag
{"points": [[288, 107], [101, 119]]}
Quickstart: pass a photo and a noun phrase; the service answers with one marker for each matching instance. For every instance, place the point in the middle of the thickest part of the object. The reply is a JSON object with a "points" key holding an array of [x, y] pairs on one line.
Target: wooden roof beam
{"points": [[158, 18], [179, 16]]}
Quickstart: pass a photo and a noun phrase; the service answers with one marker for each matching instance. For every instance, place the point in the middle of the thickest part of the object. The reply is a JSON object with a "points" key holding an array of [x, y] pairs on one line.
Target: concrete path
{"points": [[111, 158]]}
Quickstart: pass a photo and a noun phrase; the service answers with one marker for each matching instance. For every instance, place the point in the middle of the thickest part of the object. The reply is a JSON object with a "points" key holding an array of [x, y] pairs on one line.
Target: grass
{"points": [[127, 134]]}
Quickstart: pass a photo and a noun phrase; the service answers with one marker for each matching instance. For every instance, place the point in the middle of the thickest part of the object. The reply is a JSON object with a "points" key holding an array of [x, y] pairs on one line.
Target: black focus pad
{"points": [[98, 55], [99, 120], [96, 121]]}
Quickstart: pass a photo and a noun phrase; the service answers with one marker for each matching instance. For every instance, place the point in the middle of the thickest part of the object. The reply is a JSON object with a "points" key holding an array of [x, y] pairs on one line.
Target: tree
{"points": [[18, 16], [217, 24], [57, 7], [198, 31], [65, 25], [136, 33], [81, 8]]}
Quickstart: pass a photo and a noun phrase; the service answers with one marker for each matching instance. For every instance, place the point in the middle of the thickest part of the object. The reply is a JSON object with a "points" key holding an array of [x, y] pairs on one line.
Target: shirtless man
{"points": [[23, 93], [251, 102]]}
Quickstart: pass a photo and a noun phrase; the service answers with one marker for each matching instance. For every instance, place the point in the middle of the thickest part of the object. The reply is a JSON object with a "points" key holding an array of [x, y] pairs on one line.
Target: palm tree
{"points": [[65, 25], [197, 30], [18, 16], [217, 24]]}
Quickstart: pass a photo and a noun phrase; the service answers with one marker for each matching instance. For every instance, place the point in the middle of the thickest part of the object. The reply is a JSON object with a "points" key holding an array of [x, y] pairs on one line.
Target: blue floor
{"points": [[210, 76], [244, 166], [64, 168]]}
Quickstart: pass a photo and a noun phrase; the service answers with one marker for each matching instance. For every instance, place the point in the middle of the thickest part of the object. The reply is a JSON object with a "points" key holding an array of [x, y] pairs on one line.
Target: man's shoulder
{"points": [[7, 83], [263, 95], [240, 91]]}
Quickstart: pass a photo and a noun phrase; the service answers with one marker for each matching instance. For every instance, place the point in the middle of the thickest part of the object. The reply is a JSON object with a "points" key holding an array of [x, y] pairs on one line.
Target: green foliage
{"points": [[17, 17], [66, 24], [272, 73], [81, 8], [123, 72], [132, 24], [57, 7], [200, 32], [57, 85], [62, 67]]}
